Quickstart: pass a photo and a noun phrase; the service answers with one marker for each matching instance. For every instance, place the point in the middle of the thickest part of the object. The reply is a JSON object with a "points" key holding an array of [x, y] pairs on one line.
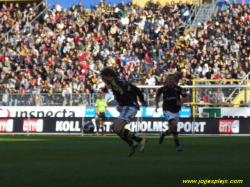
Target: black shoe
{"points": [[161, 137]]}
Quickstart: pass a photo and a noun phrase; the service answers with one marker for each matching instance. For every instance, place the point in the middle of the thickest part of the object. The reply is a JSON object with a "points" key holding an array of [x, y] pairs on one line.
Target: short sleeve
{"points": [[159, 92]]}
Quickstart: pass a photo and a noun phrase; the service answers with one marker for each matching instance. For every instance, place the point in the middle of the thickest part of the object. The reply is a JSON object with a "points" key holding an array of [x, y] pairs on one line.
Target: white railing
{"points": [[60, 99], [244, 79]]}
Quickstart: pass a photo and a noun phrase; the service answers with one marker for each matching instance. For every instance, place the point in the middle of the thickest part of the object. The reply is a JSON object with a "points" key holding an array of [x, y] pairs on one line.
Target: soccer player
{"points": [[101, 107], [126, 96], [171, 106]]}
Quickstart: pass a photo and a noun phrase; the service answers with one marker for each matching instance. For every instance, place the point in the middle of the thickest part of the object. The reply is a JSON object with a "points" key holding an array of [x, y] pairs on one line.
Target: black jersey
{"points": [[170, 97], [126, 93]]}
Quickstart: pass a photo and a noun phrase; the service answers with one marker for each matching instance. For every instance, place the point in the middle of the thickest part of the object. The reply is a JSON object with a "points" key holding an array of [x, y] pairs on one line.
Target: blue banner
{"points": [[144, 112], [86, 4]]}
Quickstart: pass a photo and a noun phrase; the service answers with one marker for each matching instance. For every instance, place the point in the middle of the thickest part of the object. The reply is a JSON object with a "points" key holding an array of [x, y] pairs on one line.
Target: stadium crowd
{"points": [[63, 51]]}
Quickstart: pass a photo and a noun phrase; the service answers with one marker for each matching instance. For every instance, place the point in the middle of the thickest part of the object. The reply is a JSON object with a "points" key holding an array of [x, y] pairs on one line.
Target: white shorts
{"points": [[169, 115], [128, 113]]}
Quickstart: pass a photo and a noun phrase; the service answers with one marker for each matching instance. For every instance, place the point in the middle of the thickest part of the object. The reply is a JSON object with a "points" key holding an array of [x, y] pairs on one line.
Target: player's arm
{"points": [[138, 92], [96, 108], [157, 99], [106, 108], [184, 97], [96, 113]]}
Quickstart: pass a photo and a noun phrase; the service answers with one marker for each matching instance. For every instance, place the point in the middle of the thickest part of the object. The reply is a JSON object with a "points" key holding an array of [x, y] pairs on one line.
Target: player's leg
{"points": [[167, 116], [103, 118], [173, 126], [128, 114], [97, 122], [118, 128], [102, 126]]}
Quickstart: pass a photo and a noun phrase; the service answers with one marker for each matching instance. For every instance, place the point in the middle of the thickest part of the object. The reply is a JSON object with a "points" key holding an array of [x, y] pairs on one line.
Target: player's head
{"points": [[101, 95], [171, 80], [108, 75]]}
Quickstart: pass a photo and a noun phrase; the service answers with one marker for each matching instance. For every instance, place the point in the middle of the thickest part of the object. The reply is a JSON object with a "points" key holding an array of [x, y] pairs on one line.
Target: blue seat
{"points": [[136, 78]]}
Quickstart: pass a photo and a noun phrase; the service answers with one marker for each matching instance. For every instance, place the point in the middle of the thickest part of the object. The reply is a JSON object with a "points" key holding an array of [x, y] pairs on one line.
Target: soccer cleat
{"points": [[179, 148], [132, 149], [161, 137], [143, 144]]}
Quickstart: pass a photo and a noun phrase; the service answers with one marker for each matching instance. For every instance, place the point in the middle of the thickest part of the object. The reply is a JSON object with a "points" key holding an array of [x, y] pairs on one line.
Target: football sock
{"points": [[167, 133], [97, 122], [176, 137], [130, 135], [129, 142]]}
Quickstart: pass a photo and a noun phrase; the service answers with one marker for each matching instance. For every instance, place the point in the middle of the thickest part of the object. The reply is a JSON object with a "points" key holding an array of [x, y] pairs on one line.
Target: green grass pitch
{"points": [[73, 161]]}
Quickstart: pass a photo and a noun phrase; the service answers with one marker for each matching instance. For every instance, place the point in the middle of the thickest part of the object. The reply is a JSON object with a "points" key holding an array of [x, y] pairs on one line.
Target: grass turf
{"points": [[102, 161]]}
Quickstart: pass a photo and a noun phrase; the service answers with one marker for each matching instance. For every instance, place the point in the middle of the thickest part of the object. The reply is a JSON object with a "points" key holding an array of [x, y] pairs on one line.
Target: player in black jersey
{"points": [[126, 96], [171, 106]]}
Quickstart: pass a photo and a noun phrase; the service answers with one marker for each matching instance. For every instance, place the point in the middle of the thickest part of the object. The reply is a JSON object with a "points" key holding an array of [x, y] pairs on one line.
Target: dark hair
{"points": [[171, 75], [108, 72]]}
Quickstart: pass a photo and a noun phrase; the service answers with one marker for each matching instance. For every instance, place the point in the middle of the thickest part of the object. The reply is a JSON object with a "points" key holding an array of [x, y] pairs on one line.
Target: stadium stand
{"points": [[58, 56]]}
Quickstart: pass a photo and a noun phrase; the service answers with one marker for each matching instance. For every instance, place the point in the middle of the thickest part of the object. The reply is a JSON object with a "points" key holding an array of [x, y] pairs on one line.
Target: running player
{"points": [[171, 106], [126, 96]]}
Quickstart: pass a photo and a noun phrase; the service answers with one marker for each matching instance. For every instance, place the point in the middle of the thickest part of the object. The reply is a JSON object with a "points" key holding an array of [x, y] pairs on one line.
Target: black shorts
{"points": [[102, 116]]}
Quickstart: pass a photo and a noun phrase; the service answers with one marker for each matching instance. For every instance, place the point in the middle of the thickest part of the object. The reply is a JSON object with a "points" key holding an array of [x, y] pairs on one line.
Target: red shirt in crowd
{"points": [[2, 59], [85, 66], [217, 76], [27, 70], [246, 19], [97, 38], [131, 67], [147, 58], [44, 49], [49, 63], [82, 57], [117, 57], [76, 39], [57, 18]]}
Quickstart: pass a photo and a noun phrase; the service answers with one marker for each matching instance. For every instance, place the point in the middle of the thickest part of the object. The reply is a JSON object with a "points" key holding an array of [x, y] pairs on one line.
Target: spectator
{"points": [[109, 97], [150, 80], [145, 35], [225, 5]]}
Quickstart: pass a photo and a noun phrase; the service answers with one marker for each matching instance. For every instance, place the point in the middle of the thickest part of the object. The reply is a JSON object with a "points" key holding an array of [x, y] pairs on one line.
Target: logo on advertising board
{"points": [[4, 113], [229, 126], [6, 125], [185, 112], [90, 112], [42, 112], [33, 125], [190, 126], [214, 112], [65, 126]]}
